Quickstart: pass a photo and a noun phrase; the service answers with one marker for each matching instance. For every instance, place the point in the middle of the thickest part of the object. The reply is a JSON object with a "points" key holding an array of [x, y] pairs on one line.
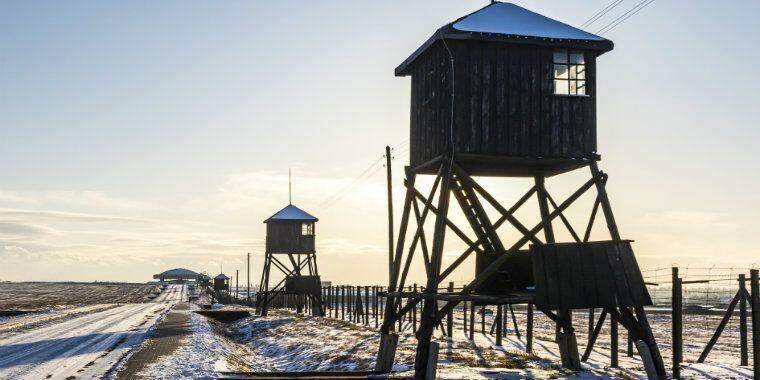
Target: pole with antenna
{"points": [[290, 189]]}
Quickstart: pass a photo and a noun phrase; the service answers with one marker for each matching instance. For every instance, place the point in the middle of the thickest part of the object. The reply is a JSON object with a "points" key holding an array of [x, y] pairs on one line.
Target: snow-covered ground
{"points": [[55, 295], [284, 341], [203, 354], [86, 346]]}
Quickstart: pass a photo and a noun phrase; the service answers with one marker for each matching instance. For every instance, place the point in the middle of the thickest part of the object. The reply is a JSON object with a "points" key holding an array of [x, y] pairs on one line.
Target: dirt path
{"points": [[165, 340]]}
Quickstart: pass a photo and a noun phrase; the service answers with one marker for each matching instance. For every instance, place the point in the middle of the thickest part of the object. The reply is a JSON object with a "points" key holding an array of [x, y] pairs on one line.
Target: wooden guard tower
{"points": [[506, 92], [290, 249]]}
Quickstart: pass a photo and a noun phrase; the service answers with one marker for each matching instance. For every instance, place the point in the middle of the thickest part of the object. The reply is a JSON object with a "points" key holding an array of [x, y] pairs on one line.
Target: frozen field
{"points": [[85, 346], [44, 295]]}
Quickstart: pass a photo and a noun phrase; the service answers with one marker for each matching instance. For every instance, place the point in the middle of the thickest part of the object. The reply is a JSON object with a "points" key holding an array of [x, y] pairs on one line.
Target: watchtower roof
{"points": [[221, 276], [507, 22], [292, 213]]}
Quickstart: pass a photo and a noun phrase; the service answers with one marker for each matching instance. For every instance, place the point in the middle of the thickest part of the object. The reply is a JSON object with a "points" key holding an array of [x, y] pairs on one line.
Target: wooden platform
{"points": [[508, 166]]}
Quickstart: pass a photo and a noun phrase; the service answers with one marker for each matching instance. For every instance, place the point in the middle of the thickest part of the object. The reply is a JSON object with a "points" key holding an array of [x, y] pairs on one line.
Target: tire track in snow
{"points": [[82, 346]]}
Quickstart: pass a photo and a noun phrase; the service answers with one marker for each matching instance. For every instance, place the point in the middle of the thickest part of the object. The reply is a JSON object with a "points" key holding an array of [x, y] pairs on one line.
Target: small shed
{"points": [[204, 280], [290, 231], [507, 90], [176, 275], [221, 283]]}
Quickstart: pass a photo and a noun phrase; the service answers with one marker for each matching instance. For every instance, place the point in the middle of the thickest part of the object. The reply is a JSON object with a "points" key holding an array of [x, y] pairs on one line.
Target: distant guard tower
{"points": [[221, 283], [506, 92], [290, 249]]}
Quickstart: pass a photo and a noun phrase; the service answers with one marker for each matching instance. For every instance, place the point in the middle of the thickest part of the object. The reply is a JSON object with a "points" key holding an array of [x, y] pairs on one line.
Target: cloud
{"points": [[20, 229], [66, 217]]}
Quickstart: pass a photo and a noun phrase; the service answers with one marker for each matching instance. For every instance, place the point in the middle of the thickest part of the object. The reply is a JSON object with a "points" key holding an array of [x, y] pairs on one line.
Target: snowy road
{"points": [[84, 347]]}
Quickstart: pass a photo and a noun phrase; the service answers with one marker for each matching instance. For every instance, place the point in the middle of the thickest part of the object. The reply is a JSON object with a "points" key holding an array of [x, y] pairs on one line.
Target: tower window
{"points": [[307, 229], [569, 72]]}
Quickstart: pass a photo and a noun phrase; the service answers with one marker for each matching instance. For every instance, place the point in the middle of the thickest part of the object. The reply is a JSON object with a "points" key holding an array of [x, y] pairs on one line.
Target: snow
{"points": [[291, 212], [201, 356], [510, 19], [284, 341], [10, 325], [86, 346]]}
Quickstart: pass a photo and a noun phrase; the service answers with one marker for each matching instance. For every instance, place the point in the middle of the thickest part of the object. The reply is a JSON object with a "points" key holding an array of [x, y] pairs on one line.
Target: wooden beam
{"points": [[499, 261]]}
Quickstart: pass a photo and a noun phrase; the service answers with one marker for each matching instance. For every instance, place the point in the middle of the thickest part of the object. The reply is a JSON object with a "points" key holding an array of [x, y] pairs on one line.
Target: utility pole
{"points": [[237, 276], [248, 277], [390, 212]]}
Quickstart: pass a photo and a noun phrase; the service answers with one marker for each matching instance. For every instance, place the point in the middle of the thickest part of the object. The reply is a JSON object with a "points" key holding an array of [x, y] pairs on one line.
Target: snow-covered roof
{"points": [[507, 22], [221, 276], [510, 19], [178, 273], [292, 213]]}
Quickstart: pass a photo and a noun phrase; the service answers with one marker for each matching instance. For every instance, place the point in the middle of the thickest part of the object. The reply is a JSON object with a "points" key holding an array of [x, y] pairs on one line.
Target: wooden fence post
{"points": [[464, 320], [529, 328], [472, 321], [366, 305], [613, 343], [483, 320], [744, 354], [414, 312], [450, 315], [499, 324], [677, 321], [755, 288]]}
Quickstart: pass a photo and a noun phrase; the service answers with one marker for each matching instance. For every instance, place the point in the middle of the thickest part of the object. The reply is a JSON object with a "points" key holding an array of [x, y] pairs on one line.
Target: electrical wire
{"points": [[601, 13], [625, 16]]}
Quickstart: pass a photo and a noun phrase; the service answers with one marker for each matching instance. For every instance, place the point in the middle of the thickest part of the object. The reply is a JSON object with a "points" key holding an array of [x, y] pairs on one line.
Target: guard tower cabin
{"points": [[521, 88], [221, 283], [290, 231]]}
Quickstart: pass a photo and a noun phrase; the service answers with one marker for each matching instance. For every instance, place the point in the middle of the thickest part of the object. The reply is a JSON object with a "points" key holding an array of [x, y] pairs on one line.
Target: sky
{"points": [[141, 136]]}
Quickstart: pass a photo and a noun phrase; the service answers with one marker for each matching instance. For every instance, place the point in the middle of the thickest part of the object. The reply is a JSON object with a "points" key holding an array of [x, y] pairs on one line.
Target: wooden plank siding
{"points": [[587, 275], [504, 104], [286, 237]]}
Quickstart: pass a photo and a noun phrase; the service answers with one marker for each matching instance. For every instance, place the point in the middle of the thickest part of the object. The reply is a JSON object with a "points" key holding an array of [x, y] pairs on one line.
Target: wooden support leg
{"points": [[432, 364], [654, 351], [386, 353], [514, 321], [594, 335], [428, 317]]}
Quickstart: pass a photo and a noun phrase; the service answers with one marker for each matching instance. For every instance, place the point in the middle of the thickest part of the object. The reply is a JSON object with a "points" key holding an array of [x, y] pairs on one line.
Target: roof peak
{"points": [[510, 23], [292, 213]]}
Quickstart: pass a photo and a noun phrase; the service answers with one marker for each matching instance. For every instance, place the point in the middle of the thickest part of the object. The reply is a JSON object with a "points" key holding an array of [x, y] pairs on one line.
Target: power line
{"points": [[625, 16], [601, 13], [370, 171], [358, 178]]}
